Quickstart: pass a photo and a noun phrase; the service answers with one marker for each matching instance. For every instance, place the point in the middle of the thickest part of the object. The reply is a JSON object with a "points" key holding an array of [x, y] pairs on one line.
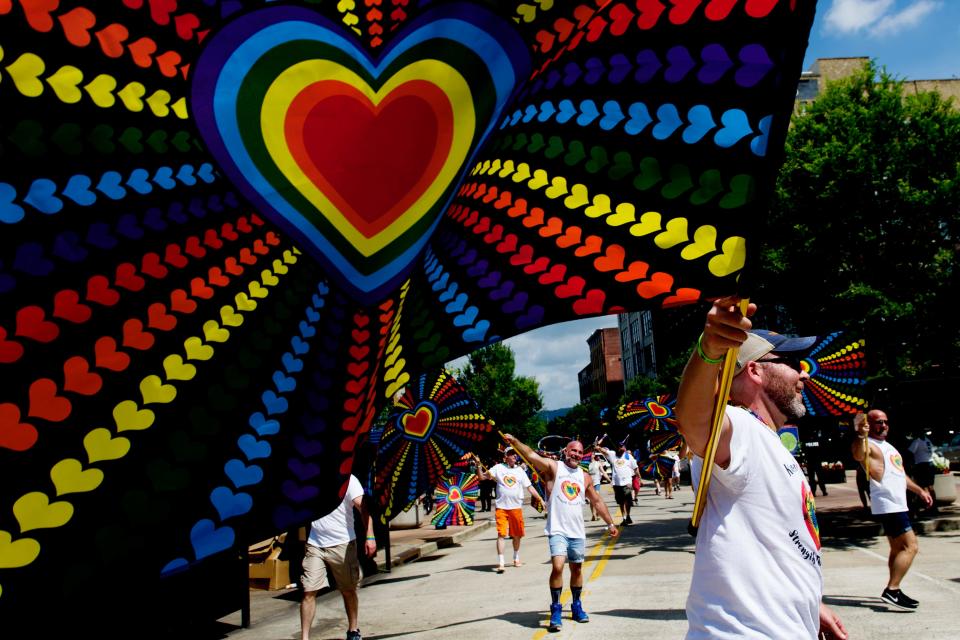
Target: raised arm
{"points": [[544, 466], [725, 329]]}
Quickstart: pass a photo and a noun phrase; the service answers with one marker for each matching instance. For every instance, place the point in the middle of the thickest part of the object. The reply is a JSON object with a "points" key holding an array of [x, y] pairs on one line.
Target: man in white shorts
{"points": [[332, 547]]}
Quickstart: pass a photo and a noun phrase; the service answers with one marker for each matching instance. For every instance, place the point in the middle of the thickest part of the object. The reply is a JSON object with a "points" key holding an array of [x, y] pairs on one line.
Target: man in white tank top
{"points": [[566, 487], [888, 500], [756, 572]]}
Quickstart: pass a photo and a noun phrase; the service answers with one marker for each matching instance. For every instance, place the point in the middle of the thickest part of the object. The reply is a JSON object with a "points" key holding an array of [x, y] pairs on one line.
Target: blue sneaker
{"points": [[579, 615], [556, 620]]}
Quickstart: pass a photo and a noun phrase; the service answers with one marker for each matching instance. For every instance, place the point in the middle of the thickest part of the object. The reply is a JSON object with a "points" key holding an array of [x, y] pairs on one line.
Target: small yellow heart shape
{"points": [[346, 5], [256, 290], [26, 71], [704, 242], [132, 96], [101, 90], [230, 317], [179, 108], [523, 173], [527, 11], [625, 212], [674, 234], [213, 332], [557, 188], [649, 222], [35, 511], [599, 207], [508, 168], [289, 258], [159, 102], [279, 267], [268, 279], [196, 350], [69, 476], [129, 417], [65, 84], [154, 391], [394, 372], [177, 369], [731, 259], [17, 553], [101, 445], [540, 179], [494, 167], [398, 384], [244, 303], [579, 196]]}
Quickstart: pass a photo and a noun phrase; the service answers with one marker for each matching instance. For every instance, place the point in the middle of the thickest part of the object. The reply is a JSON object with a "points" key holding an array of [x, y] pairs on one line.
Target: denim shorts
{"points": [[573, 548], [895, 524]]}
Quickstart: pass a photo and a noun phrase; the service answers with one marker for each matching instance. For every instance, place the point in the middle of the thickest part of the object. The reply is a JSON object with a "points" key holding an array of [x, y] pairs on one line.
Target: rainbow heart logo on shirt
{"points": [[896, 461], [510, 481], [454, 496], [419, 423], [570, 490], [810, 515], [354, 155]]}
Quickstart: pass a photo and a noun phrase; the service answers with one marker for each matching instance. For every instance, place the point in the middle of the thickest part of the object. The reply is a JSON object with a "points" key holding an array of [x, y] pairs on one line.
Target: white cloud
{"points": [[553, 355], [877, 17]]}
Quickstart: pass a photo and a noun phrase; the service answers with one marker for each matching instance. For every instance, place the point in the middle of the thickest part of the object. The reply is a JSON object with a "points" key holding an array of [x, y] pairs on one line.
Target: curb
{"points": [[414, 553]]}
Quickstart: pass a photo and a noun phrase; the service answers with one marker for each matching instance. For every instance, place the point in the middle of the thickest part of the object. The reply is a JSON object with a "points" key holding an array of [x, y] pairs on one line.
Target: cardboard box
{"points": [[267, 570]]}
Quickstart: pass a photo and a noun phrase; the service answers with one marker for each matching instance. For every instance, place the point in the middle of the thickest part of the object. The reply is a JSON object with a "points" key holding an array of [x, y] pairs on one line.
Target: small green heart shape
{"points": [[27, 136], [575, 154], [67, 138], [520, 142], [130, 139], [680, 182], [710, 185], [554, 147], [622, 165], [101, 137], [181, 141], [536, 143], [429, 345], [598, 160], [649, 174], [741, 192], [158, 141], [203, 422]]}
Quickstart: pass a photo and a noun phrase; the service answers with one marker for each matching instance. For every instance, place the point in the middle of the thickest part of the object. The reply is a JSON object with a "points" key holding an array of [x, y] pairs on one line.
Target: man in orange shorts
{"points": [[511, 482]]}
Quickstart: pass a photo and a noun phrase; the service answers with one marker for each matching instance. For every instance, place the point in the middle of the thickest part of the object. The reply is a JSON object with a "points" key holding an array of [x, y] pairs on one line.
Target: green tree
{"points": [[863, 230], [582, 421], [511, 401]]}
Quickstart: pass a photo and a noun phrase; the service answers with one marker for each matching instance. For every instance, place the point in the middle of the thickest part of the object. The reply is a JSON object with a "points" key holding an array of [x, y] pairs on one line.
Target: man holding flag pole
{"points": [[757, 569]]}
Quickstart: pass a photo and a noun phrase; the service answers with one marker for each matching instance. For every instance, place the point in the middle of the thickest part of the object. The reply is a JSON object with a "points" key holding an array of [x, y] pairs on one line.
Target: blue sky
{"points": [[914, 39]]}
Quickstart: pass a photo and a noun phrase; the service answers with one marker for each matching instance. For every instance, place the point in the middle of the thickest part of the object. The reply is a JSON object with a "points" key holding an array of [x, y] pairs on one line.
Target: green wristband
{"points": [[703, 355]]}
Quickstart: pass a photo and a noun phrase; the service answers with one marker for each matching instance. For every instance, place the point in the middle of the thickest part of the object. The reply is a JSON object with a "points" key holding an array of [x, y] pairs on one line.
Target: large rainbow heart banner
{"points": [[233, 231], [355, 156]]}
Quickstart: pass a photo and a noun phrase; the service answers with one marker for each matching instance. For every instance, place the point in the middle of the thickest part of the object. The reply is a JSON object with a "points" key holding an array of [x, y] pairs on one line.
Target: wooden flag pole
{"points": [[719, 409]]}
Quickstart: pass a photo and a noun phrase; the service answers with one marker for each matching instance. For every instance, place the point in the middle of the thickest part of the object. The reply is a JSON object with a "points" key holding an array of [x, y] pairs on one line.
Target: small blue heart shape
{"points": [[478, 269], [283, 382], [205, 173], [449, 294], [736, 126], [67, 245], [242, 475], [185, 175], [756, 65], [274, 404], [110, 185], [477, 333], [78, 190], [759, 144], [490, 280], [716, 63], [619, 68], [639, 118], [154, 219], [517, 303], [566, 111], [42, 196], [253, 448], [529, 113], [196, 208], [532, 318], [164, 178], [174, 565], [309, 448], [176, 213], [303, 470], [139, 181], [668, 121], [128, 226], [680, 62], [701, 122], [595, 71], [306, 330], [588, 113], [207, 539], [457, 305], [317, 301], [571, 71], [30, 259], [648, 64], [546, 111], [467, 318], [291, 363], [612, 115], [10, 212], [313, 424], [229, 504], [262, 426], [99, 236]]}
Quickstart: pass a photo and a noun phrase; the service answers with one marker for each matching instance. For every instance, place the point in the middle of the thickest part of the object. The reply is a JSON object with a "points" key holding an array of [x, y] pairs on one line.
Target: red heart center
{"points": [[371, 160], [454, 496], [657, 410], [417, 423]]}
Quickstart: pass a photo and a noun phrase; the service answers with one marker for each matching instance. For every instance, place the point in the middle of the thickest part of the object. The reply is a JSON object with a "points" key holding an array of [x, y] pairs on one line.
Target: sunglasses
{"points": [[793, 363]]}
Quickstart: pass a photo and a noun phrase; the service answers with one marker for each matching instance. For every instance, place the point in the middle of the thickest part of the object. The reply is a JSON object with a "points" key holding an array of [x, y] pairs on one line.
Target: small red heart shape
{"points": [[46, 404], [15, 435], [99, 291], [127, 277], [158, 318], [108, 357], [78, 378], [32, 323], [135, 337]]}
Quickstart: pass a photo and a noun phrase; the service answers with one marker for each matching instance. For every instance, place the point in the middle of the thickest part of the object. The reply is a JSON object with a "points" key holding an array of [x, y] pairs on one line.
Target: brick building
{"points": [[604, 374]]}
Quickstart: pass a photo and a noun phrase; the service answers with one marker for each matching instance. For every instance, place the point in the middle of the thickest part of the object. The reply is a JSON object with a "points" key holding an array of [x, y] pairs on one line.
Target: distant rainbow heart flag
{"points": [[456, 499]]}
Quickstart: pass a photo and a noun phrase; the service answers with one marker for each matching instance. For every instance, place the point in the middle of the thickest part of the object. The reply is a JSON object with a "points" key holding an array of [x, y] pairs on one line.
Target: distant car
{"points": [[951, 451]]}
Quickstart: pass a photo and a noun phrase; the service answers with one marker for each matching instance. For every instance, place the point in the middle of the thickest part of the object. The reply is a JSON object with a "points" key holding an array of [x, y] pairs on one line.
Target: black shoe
{"points": [[899, 599], [354, 635], [628, 520]]}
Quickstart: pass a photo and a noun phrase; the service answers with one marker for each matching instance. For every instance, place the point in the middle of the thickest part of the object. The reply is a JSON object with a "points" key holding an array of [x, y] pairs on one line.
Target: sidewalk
{"points": [[840, 513]]}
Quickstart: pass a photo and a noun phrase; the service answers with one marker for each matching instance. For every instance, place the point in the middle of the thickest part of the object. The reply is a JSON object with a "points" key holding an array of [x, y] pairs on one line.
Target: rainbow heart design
{"points": [[454, 496], [355, 157], [418, 424], [571, 490], [657, 410], [510, 481]]}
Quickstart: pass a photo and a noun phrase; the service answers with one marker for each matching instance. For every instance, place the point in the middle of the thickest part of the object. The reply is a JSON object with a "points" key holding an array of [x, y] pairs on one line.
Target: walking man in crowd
{"points": [[923, 470], [756, 571], [567, 486], [888, 500], [623, 468], [332, 547], [597, 475], [512, 482]]}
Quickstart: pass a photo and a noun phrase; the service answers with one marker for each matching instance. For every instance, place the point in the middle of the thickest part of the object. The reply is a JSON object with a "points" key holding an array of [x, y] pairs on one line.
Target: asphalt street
{"points": [[635, 584]]}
